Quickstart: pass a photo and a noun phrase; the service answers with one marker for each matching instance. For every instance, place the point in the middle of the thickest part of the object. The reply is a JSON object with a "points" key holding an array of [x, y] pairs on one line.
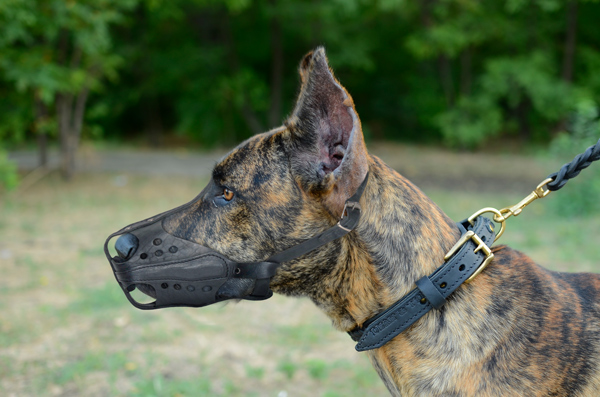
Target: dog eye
{"points": [[224, 198], [227, 194]]}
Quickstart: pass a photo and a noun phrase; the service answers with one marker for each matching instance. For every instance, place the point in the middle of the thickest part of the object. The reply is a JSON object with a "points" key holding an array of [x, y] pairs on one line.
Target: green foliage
{"points": [[456, 71], [580, 196], [53, 48], [33, 37], [473, 120], [518, 85], [530, 77]]}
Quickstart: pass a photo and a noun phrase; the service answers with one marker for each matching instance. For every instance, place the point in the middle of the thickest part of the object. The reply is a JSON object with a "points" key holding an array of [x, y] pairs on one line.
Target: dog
{"points": [[515, 330]]}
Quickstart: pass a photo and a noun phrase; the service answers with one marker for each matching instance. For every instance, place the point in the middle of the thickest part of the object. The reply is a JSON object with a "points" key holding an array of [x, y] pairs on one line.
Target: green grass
{"points": [[67, 328], [159, 386], [255, 372], [317, 369], [287, 367], [90, 362]]}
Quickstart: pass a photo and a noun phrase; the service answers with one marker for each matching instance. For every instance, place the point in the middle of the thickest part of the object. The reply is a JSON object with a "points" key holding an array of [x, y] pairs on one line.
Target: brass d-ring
{"points": [[498, 218]]}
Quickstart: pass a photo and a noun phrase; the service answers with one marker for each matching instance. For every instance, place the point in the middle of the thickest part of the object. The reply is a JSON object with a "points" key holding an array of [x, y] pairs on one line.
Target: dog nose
{"points": [[126, 245]]}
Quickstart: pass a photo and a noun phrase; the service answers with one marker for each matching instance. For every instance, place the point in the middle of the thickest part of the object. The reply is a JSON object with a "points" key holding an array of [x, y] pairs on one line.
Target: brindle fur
{"points": [[517, 330]]}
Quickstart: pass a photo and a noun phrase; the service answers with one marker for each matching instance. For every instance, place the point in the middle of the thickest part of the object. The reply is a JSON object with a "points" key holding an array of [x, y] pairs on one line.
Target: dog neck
{"points": [[401, 237]]}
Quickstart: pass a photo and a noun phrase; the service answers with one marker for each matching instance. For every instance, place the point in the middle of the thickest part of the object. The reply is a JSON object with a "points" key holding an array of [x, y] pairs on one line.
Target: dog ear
{"points": [[327, 151]]}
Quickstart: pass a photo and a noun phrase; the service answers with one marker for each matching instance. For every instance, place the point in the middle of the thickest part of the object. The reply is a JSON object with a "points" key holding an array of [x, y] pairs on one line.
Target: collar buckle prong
{"points": [[481, 246]]}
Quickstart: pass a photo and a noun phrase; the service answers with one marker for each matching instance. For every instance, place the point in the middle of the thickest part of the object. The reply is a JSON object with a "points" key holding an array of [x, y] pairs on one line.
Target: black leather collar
{"points": [[471, 254]]}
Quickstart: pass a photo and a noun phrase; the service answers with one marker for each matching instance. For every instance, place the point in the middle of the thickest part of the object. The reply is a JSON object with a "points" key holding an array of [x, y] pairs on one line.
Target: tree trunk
{"points": [[41, 117], [569, 55], [154, 124], [70, 108], [63, 105], [274, 118], [466, 73], [70, 112], [43, 149], [570, 41], [443, 62], [522, 112], [445, 69]]}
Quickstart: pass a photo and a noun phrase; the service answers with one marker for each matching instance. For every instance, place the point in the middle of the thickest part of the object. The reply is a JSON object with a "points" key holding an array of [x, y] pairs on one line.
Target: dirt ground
{"points": [[67, 330]]}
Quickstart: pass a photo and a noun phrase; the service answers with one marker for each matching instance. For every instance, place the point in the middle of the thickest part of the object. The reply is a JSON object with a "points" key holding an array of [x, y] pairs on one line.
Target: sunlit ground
{"points": [[67, 330]]}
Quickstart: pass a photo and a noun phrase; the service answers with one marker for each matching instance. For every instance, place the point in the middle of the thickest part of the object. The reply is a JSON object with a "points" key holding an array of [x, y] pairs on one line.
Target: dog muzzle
{"points": [[178, 272]]}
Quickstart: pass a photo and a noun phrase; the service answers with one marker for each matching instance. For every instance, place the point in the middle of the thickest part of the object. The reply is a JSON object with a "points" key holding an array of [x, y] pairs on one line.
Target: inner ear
{"points": [[335, 125], [323, 115]]}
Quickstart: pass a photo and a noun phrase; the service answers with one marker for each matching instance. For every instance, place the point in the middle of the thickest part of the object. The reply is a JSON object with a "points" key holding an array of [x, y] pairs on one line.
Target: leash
{"points": [[469, 257], [552, 183]]}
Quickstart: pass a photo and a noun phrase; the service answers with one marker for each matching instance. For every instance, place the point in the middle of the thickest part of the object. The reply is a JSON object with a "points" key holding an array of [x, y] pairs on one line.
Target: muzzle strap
{"points": [[263, 271], [347, 223]]}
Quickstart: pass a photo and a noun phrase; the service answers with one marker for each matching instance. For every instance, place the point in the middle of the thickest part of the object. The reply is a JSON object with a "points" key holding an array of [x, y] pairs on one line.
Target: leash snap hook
{"points": [[540, 191]]}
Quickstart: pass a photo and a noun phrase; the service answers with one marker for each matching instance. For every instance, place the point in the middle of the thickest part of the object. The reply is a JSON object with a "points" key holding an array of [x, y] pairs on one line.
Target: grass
{"points": [[557, 242], [287, 367], [67, 329]]}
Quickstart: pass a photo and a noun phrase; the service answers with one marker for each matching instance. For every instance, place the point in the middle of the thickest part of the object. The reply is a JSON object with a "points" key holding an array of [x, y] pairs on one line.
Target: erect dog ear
{"points": [[327, 151]]}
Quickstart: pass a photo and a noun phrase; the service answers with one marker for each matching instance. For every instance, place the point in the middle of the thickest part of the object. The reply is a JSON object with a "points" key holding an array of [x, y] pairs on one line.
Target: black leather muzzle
{"points": [[175, 271]]}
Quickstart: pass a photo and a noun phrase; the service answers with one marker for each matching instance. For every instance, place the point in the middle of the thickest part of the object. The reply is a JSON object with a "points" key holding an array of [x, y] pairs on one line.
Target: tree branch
{"points": [[445, 69], [466, 71]]}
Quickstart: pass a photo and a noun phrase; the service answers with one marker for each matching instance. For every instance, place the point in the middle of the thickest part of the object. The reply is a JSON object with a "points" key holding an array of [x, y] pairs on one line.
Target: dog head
{"points": [[274, 191]]}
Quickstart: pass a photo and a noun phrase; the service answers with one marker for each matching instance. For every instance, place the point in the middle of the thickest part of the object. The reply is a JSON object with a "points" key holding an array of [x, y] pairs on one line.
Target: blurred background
{"points": [[114, 110]]}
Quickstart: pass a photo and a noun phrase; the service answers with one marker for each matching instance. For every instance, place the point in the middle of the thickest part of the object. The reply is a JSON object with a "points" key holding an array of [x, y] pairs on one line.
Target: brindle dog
{"points": [[517, 329]]}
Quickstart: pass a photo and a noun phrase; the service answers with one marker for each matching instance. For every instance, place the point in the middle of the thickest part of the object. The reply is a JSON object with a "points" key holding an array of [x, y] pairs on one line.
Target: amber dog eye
{"points": [[223, 197], [227, 194]]}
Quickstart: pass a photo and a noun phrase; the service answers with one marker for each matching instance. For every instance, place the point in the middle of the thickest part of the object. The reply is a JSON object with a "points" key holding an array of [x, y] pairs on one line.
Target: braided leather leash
{"points": [[572, 169]]}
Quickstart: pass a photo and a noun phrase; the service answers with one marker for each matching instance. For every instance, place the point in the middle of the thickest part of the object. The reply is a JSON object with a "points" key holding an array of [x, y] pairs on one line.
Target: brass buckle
{"points": [[481, 246]]}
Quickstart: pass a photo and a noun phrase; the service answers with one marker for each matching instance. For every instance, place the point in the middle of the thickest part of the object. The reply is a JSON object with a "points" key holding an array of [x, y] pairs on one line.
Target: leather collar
{"points": [[469, 256]]}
